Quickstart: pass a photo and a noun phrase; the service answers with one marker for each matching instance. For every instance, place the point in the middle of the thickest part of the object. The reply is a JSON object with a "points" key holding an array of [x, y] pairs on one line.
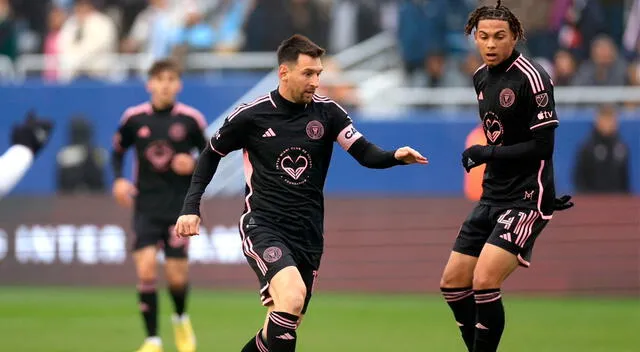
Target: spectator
{"points": [[80, 165], [8, 36], [88, 40], [57, 16], [603, 160], [564, 68], [604, 68]]}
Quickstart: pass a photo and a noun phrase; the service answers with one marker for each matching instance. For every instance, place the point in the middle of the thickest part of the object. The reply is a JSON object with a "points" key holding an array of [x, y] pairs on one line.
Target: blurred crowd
{"points": [[84, 35], [580, 42]]}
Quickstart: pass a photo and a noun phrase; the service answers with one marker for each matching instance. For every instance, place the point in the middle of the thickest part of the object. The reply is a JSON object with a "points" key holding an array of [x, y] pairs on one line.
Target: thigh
{"points": [[474, 232], [458, 272], [148, 233], [267, 255], [516, 231], [308, 267]]}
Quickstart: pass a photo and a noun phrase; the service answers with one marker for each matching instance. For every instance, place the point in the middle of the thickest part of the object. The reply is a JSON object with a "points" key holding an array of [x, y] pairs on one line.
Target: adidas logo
{"points": [[286, 336], [506, 236], [470, 162], [269, 133]]}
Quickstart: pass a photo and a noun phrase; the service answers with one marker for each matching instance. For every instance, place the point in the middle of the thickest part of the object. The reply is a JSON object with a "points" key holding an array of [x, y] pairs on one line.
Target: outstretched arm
{"points": [[371, 156], [14, 163]]}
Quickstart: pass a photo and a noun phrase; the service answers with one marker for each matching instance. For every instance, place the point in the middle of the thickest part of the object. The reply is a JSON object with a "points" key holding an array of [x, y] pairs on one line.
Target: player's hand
{"points": [[562, 203], [183, 164], [188, 225], [476, 155], [410, 156], [124, 191], [33, 133]]}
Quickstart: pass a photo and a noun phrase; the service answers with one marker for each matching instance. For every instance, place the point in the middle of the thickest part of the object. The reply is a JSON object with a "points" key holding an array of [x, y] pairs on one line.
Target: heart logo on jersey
{"points": [[492, 128], [159, 155], [296, 168]]}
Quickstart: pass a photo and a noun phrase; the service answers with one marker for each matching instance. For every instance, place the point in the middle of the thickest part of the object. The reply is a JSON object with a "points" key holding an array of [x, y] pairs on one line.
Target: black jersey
{"points": [[158, 135], [287, 148], [515, 99]]}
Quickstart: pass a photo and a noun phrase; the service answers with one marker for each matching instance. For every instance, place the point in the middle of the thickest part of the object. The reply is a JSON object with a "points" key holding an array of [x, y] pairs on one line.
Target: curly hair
{"points": [[499, 12]]}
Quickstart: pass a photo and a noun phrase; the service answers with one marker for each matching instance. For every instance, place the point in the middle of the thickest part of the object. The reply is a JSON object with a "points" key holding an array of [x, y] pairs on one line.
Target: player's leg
{"points": [[144, 256], [282, 290], [509, 245], [177, 273], [457, 278]]}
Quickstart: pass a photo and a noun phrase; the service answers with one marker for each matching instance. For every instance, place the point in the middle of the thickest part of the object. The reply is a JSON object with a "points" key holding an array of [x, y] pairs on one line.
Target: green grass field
{"points": [[106, 320]]}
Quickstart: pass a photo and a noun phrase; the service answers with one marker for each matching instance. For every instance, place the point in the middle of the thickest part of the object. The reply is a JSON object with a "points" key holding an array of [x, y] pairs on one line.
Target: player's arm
{"points": [[122, 140], [366, 153], [123, 190], [230, 137], [27, 140], [542, 121], [14, 163]]}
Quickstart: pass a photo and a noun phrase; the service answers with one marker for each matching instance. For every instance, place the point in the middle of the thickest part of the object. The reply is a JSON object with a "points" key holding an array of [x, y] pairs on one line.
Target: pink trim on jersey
{"points": [[348, 136], [260, 344], [535, 80], [479, 68], [192, 112], [242, 107], [523, 262], [540, 192], [215, 150], [542, 124], [322, 99], [272, 102], [247, 246], [144, 108]]}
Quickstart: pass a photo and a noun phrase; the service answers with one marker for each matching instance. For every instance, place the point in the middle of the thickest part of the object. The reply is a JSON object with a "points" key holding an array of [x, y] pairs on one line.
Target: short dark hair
{"points": [[499, 12], [297, 44], [164, 65]]}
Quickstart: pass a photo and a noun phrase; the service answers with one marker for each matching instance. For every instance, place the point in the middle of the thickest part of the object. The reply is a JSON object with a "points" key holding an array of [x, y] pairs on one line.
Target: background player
{"points": [[164, 133], [287, 137], [27, 139], [515, 97]]}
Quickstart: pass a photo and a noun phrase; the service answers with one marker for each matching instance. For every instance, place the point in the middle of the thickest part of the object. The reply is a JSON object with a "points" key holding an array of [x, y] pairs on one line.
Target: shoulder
{"points": [[533, 75], [479, 75], [246, 111], [132, 112], [325, 103], [192, 113]]}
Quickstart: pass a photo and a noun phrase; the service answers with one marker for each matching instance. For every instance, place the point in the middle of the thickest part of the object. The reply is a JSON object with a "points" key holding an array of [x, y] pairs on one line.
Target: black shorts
{"points": [[160, 233], [267, 254], [512, 229]]}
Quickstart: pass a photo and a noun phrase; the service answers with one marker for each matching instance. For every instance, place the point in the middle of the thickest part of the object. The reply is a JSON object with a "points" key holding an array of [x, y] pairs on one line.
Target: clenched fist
{"points": [[188, 225]]}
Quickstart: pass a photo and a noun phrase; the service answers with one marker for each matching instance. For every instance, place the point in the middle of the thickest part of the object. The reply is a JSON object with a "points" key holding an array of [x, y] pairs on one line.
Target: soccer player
{"points": [[516, 103], [27, 139], [287, 139], [164, 133]]}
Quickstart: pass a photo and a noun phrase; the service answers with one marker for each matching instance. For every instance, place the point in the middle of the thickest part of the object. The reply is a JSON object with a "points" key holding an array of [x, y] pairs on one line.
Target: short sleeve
{"points": [[539, 91], [232, 135], [125, 135], [343, 130]]}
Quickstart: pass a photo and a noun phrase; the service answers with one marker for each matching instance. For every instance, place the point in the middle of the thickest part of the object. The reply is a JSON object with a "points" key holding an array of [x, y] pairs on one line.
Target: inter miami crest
{"points": [[507, 97]]}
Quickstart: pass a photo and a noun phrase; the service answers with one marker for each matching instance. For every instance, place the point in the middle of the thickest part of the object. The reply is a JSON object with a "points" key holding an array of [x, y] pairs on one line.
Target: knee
{"points": [[483, 280], [455, 279], [292, 301]]}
